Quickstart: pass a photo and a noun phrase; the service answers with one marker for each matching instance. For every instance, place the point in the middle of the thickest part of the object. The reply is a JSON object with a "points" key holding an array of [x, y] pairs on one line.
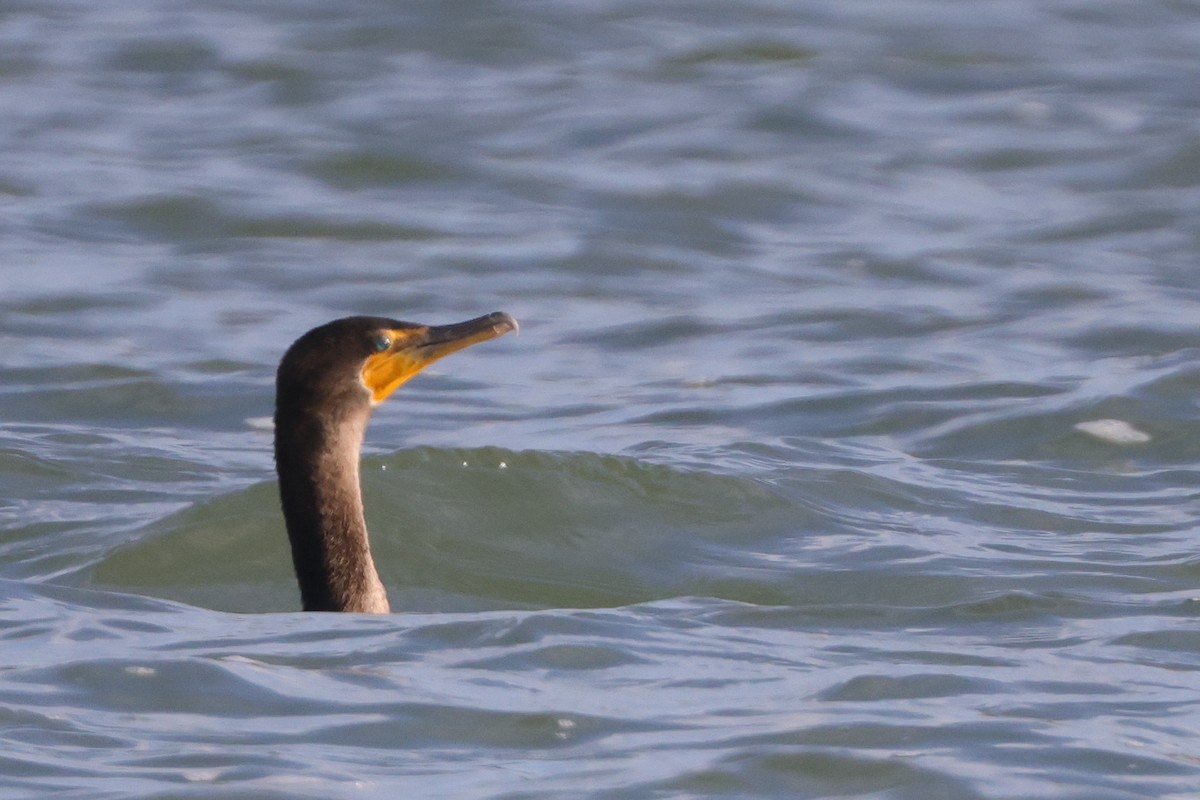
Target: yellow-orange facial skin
{"points": [[413, 349]]}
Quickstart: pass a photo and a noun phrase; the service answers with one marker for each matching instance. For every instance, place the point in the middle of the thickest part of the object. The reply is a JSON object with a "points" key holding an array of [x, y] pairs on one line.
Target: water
{"points": [[779, 493]]}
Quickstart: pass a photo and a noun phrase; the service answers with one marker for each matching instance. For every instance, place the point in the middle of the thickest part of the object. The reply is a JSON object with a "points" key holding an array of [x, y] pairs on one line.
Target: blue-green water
{"points": [[779, 493]]}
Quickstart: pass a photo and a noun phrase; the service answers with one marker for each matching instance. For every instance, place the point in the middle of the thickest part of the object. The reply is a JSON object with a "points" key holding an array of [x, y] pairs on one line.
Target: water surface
{"points": [[779, 493]]}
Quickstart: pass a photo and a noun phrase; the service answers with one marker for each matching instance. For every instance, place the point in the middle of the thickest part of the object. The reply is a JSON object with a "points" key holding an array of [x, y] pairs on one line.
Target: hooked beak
{"points": [[413, 349]]}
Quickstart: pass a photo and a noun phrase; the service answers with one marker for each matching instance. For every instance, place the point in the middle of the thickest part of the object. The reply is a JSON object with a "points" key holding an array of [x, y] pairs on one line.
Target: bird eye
{"points": [[382, 343]]}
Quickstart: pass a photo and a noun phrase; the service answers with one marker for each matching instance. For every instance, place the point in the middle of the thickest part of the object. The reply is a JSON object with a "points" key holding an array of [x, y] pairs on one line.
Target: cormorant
{"points": [[328, 383]]}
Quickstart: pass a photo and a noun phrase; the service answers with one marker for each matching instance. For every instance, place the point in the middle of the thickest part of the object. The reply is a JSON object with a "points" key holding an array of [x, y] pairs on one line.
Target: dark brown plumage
{"points": [[327, 385]]}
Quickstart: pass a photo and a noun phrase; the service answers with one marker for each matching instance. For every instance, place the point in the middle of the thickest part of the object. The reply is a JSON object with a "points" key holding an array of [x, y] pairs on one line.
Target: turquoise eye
{"points": [[382, 343]]}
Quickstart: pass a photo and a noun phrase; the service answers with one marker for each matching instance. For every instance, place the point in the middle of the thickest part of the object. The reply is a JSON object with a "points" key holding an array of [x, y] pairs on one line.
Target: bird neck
{"points": [[317, 462]]}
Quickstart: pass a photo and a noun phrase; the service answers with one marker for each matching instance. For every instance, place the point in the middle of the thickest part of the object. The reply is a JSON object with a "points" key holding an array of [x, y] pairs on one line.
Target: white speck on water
{"points": [[1115, 431], [201, 775], [565, 726]]}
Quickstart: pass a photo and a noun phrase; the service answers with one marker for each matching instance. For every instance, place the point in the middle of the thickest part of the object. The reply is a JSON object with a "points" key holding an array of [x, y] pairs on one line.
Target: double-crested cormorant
{"points": [[328, 383]]}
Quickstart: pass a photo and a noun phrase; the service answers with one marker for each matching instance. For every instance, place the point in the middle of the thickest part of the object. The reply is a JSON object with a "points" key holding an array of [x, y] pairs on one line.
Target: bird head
{"points": [[354, 363]]}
